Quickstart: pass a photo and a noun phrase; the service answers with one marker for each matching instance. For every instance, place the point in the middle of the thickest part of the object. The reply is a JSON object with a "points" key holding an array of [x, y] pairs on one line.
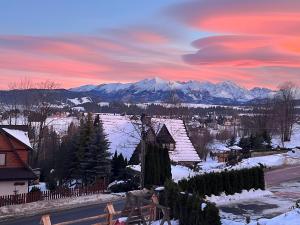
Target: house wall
{"points": [[8, 187], [12, 159]]}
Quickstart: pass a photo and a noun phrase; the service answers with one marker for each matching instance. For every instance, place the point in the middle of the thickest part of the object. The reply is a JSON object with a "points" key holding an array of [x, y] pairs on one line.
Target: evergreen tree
{"points": [[96, 162]]}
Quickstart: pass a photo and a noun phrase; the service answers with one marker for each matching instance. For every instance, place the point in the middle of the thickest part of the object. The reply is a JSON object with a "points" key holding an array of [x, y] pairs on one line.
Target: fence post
{"points": [[45, 220], [155, 202], [111, 211]]}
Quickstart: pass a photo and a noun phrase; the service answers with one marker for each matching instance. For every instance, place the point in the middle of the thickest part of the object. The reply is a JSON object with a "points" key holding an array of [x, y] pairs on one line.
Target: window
{"points": [[2, 159]]}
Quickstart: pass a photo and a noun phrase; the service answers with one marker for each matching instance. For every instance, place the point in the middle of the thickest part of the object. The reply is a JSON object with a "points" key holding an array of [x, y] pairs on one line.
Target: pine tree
{"points": [[96, 162]]}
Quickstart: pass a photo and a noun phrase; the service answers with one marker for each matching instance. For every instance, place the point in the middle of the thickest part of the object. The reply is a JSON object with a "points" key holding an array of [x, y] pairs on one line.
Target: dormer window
{"points": [[2, 159]]}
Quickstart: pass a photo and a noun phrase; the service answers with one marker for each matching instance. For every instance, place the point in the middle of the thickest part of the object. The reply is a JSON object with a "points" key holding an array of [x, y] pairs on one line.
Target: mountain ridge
{"points": [[157, 89]]}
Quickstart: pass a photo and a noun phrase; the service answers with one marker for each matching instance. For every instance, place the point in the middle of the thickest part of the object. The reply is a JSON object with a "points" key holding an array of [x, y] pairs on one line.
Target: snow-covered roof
{"points": [[184, 149], [235, 147], [218, 147], [20, 135], [124, 136]]}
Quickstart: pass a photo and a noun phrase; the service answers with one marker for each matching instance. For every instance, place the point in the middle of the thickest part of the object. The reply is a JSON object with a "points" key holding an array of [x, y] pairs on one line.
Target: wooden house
{"points": [[15, 172]]}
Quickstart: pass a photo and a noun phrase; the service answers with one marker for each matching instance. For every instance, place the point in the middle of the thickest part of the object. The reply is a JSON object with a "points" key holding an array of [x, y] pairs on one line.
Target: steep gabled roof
{"points": [[20, 135], [164, 136]]}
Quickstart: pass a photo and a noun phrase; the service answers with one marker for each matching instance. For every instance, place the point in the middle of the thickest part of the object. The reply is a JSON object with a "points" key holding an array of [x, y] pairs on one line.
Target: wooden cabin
{"points": [[165, 139], [15, 172]]}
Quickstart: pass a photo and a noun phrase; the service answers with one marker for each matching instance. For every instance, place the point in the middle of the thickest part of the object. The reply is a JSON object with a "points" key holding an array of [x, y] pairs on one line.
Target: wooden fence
{"points": [[149, 213], [60, 192]]}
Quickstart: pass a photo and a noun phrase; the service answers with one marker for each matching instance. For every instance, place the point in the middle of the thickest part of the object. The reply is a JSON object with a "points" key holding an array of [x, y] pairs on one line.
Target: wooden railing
{"points": [[49, 195], [150, 212]]}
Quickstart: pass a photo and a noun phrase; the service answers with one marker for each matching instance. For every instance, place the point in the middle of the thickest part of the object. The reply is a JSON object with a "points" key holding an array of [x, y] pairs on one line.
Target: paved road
{"points": [[66, 215], [277, 176]]}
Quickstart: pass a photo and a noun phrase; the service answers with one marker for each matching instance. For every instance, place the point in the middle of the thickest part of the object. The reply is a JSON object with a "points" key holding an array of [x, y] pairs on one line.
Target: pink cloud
{"points": [[280, 17]]}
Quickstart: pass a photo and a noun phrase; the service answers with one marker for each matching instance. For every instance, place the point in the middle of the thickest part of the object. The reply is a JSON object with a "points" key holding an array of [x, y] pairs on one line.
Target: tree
{"points": [[95, 163], [118, 164], [157, 166], [200, 137], [284, 110]]}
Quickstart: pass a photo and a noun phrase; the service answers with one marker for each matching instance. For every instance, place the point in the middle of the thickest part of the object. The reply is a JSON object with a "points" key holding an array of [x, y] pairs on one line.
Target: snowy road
{"points": [[66, 215], [277, 176]]}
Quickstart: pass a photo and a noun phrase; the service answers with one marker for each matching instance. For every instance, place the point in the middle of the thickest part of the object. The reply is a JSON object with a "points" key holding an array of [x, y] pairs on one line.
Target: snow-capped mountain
{"points": [[159, 90]]}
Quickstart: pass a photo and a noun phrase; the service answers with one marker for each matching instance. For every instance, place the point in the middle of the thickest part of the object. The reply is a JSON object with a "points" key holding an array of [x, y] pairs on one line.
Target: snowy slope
{"points": [[121, 133]]}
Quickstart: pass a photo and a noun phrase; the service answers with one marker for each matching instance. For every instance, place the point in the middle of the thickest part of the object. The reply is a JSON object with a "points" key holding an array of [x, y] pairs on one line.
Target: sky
{"points": [[75, 42]]}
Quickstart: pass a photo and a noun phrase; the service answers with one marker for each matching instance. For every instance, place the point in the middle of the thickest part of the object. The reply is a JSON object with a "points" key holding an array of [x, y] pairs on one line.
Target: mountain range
{"points": [[159, 90]]}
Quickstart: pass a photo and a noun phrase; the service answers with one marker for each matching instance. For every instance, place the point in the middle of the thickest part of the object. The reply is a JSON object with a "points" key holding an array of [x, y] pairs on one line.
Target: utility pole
{"points": [[143, 151]]}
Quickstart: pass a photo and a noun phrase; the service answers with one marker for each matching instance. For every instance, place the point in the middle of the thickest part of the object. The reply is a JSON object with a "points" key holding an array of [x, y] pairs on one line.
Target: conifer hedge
{"points": [[230, 182], [189, 208]]}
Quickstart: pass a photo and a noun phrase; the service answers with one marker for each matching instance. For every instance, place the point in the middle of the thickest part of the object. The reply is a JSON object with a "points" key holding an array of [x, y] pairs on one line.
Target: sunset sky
{"points": [[75, 42]]}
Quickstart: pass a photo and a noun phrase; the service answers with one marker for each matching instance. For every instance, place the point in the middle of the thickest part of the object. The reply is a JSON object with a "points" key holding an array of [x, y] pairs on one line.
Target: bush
{"points": [[35, 189], [230, 182], [128, 185], [188, 208]]}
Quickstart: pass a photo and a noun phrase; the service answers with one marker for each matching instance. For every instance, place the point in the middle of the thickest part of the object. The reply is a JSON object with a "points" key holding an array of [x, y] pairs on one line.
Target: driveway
{"points": [[280, 175]]}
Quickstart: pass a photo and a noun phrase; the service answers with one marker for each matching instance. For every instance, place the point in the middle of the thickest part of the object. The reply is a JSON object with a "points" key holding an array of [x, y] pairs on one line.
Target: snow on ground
{"points": [[295, 139], [277, 160], [289, 218], [224, 199], [78, 101], [178, 172], [281, 201], [41, 186], [61, 124], [172, 222], [123, 135], [78, 108], [52, 205]]}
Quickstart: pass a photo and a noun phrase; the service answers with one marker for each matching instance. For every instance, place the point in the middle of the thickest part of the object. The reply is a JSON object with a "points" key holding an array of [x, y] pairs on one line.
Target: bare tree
{"points": [[284, 110], [200, 138]]}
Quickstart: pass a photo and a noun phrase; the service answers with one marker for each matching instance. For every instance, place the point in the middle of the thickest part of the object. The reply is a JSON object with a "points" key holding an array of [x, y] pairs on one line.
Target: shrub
{"points": [[189, 208], [35, 189], [128, 185], [230, 182]]}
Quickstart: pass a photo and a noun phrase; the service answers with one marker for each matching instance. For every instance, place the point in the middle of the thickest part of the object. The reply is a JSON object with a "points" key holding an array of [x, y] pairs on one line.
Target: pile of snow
{"points": [[224, 199], [20, 135]]}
